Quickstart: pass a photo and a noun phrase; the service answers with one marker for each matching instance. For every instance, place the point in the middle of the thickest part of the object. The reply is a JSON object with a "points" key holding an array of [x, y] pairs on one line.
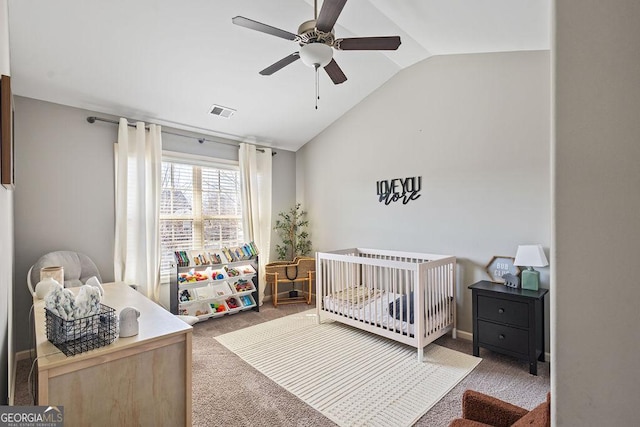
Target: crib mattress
{"points": [[376, 311]]}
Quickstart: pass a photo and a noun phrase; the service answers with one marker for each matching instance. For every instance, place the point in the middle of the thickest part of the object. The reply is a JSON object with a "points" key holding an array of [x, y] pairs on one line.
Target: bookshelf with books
{"points": [[213, 283]]}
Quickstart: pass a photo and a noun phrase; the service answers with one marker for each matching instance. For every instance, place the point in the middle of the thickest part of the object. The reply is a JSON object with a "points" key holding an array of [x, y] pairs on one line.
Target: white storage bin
{"points": [[242, 285]]}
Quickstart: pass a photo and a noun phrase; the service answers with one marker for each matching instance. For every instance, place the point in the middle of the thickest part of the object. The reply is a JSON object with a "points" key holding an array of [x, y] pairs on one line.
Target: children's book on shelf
{"points": [[181, 258], [200, 257], [239, 253], [216, 257]]}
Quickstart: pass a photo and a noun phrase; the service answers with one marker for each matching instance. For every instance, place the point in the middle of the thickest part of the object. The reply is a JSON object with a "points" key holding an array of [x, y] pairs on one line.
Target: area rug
{"points": [[352, 377]]}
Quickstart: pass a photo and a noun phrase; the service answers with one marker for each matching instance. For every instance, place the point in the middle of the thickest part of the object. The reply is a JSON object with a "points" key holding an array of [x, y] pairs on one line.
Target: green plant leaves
{"points": [[290, 227]]}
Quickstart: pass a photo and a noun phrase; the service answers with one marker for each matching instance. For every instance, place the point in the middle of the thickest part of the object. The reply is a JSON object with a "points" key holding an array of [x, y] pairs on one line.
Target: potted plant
{"points": [[291, 227]]}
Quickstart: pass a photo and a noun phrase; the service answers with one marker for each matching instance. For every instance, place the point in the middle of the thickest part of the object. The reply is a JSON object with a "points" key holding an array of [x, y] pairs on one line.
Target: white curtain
{"points": [[255, 172], [138, 158]]}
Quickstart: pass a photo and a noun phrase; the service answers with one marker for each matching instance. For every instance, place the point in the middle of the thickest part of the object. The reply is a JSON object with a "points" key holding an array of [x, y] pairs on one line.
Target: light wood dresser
{"points": [[141, 380]]}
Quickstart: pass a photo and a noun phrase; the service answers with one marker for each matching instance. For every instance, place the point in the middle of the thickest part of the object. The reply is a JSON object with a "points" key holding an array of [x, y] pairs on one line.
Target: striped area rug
{"points": [[352, 377]]}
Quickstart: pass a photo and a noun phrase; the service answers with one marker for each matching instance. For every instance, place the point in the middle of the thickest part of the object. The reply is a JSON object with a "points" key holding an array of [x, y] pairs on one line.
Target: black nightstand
{"points": [[509, 321]]}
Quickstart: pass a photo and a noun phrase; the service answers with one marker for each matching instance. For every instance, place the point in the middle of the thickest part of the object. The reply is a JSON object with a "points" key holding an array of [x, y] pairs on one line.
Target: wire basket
{"points": [[80, 335]]}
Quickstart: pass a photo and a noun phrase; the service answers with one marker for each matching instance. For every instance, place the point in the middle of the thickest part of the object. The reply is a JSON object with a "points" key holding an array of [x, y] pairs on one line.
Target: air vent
{"points": [[219, 110]]}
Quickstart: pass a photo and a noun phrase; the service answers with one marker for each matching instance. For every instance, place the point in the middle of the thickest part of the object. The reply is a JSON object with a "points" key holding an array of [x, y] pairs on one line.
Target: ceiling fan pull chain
{"points": [[317, 86]]}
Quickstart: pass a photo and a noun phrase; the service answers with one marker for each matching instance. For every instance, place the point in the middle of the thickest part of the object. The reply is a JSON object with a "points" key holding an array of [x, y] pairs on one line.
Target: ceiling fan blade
{"points": [[329, 14], [264, 28], [335, 72], [280, 64], [368, 43]]}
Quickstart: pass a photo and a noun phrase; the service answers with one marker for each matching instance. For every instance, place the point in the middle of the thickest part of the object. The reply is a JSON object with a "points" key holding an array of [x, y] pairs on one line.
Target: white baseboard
{"points": [[24, 354], [21, 355], [467, 336]]}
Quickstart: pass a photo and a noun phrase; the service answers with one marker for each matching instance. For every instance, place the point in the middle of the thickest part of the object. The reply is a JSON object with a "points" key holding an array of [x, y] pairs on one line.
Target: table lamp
{"points": [[530, 256]]}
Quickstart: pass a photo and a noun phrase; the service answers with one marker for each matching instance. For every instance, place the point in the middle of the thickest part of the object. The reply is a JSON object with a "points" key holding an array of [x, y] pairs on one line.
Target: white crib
{"points": [[407, 297]]}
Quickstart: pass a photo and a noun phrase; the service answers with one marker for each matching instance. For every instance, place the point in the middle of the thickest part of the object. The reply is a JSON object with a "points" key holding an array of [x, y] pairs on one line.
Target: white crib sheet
{"points": [[376, 311]]}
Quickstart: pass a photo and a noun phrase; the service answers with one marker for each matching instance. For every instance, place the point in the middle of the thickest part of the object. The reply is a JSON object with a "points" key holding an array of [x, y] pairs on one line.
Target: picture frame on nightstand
{"points": [[498, 266]]}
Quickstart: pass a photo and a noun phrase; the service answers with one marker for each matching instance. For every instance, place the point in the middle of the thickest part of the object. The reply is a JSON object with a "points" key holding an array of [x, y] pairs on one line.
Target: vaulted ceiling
{"points": [[169, 61]]}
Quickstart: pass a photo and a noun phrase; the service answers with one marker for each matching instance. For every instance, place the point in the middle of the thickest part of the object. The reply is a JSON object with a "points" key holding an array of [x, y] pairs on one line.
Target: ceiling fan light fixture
{"points": [[316, 55]]}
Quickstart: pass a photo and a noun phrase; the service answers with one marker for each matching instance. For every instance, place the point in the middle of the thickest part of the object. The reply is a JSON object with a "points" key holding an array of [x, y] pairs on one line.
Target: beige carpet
{"points": [[228, 391], [350, 376]]}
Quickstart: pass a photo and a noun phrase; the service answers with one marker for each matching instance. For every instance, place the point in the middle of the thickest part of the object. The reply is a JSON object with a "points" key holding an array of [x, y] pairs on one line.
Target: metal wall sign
{"points": [[399, 189]]}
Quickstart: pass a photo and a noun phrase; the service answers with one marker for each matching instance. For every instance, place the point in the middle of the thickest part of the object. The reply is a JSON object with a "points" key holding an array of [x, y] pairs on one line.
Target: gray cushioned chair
{"points": [[78, 268]]}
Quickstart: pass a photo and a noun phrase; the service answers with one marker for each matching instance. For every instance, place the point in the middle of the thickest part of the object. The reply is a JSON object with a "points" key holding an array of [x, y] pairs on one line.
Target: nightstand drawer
{"points": [[505, 337], [503, 311]]}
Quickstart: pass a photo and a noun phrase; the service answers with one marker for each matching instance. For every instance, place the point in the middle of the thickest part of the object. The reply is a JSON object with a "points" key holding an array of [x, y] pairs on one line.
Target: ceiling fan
{"points": [[317, 40]]}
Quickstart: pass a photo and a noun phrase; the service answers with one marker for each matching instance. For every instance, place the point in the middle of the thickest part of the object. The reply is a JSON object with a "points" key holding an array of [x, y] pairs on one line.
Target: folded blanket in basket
{"points": [[356, 294], [62, 302]]}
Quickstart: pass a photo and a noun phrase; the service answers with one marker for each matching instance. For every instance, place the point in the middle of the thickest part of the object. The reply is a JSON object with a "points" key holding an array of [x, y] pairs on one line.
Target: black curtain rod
{"points": [[93, 119]]}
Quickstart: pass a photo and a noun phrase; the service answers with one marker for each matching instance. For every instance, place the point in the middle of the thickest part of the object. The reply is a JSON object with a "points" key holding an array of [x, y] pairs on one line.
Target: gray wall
{"points": [[476, 128], [284, 193], [596, 379], [65, 196], [6, 238]]}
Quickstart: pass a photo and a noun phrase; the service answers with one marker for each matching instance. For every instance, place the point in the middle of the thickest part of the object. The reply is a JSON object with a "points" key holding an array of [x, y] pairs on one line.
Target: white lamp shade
{"points": [[316, 54], [530, 256]]}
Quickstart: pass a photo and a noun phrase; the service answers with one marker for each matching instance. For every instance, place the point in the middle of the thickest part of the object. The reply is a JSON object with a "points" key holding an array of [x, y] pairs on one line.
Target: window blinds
{"points": [[200, 208]]}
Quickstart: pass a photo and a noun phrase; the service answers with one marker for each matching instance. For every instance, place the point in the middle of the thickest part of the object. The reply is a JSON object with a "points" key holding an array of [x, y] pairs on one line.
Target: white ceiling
{"points": [[169, 61]]}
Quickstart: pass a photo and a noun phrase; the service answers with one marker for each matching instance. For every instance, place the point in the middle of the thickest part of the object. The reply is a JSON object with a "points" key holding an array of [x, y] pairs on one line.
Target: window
{"points": [[200, 207]]}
